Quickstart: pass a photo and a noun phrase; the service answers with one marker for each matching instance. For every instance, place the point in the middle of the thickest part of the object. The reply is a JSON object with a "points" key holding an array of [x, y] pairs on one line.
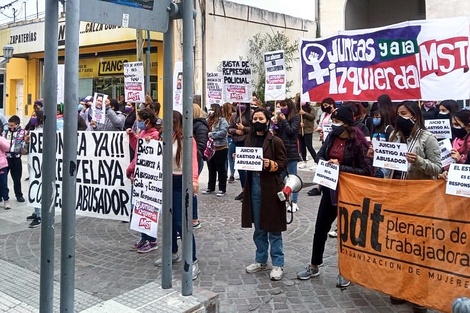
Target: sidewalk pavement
{"points": [[110, 278]]}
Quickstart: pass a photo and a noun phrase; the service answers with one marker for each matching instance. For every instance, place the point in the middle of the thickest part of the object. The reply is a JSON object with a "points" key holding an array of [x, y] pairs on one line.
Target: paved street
{"points": [[106, 269]]}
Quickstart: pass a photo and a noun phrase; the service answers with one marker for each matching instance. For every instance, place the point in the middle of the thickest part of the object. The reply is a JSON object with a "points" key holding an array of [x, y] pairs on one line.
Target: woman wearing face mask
{"points": [[239, 129], [327, 106], [261, 205], [216, 165], [423, 154], [288, 126], [146, 123], [461, 133], [347, 147], [381, 130]]}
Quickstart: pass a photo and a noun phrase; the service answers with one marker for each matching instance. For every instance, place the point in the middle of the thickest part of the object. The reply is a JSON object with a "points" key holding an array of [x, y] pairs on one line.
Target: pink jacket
{"points": [[4, 147], [152, 132]]}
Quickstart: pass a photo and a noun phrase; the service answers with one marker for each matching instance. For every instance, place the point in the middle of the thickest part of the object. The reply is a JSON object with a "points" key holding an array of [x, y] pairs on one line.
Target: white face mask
{"points": [[337, 124]]}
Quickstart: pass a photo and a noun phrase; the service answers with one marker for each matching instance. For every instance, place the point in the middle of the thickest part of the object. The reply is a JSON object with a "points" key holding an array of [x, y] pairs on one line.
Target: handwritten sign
{"points": [[440, 128], [237, 81], [275, 70], [390, 155], [327, 174], [103, 191], [458, 180], [445, 147], [249, 159], [214, 88], [134, 81], [147, 195]]}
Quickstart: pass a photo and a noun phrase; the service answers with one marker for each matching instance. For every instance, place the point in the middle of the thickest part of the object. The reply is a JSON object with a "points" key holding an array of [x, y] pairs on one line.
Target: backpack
{"points": [[210, 149]]}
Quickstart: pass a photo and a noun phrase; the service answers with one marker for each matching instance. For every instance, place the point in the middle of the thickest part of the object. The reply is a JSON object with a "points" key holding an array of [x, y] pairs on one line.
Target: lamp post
{"points": [[7, 54]]}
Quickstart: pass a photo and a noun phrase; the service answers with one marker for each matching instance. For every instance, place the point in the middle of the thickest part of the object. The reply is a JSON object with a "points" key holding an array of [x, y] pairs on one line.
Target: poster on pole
{"points": [[102, 188], [134, 81], [147, 195], [275, 71], [60, 83], [213, 88], [424, 59], [237, 81], [178, 87]]}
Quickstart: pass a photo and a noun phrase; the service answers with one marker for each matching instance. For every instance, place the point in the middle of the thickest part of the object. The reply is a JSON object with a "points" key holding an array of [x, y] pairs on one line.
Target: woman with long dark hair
{"points": [[346, 146], [261, 206], [217, 164]]}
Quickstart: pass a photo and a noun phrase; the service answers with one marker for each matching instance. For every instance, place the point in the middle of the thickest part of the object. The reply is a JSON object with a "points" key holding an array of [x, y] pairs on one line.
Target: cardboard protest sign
{"points": [[275, 71], [103, 191], [98, 108], [249, 159], [326, 174], [440, 128], [178, 87], [326, 130], [214, 82], [390, 155], [237, 81], [458, 180], [445, 147], [147, 195], [407, 233], [425, 59], [134, 82]]}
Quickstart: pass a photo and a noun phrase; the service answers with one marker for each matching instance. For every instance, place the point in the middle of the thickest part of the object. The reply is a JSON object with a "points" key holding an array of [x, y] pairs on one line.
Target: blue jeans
{"points": [[241, 173], [178, 215], [4, 184], [263, 238], [230, 152], [292, 169]]}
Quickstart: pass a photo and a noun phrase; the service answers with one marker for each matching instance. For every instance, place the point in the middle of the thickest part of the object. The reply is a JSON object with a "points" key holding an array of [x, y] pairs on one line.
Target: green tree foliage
{"points": [[258, 46]]}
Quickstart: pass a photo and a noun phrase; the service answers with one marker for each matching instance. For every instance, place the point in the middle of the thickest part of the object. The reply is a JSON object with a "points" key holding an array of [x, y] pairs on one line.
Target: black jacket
{"points": [[287, 131], [354, 159], [200, 133]]}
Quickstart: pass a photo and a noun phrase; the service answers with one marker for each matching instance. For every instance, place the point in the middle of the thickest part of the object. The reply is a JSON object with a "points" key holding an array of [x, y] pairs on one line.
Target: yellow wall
{"points": [[28, 71]]}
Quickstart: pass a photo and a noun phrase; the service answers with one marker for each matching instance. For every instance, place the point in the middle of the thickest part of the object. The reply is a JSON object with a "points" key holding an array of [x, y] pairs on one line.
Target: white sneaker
{"points": [[195, 270], [294, 207], [6, 205], [333, 233], [302, 164], [276, 273], [256, 267]]}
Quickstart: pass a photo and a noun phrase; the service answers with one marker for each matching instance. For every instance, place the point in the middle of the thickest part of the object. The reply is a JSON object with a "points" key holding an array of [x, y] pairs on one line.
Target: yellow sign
{"points": [[110, 66]]}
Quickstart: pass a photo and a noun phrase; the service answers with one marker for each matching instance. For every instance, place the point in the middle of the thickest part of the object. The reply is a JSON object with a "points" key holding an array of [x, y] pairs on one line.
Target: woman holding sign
{"points": [[347, 147], [423, 154], [261, 205], [461, 132]]}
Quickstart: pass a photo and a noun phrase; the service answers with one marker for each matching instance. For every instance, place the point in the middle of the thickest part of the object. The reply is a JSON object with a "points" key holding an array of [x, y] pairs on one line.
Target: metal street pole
{"points": [[148, 63], [67, 258], [49, 157], [188, 76], [167, 214]]}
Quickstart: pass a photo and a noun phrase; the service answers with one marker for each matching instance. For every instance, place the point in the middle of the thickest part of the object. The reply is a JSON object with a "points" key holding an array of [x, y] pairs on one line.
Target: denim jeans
{"points": [[230, 152], [4, 184], [241, 173], [292, 169], [263, 238], [178, 215]]}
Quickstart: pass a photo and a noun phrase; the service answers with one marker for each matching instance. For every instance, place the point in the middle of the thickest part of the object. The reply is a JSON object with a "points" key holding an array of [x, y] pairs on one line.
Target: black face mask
{"points": [[442, 116], [459, 132], [260, 127], [338, 130], [405, 125], [326, 110]]}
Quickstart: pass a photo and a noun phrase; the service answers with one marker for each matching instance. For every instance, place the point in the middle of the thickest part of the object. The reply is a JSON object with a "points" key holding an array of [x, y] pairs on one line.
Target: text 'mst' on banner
{"points": [[407, 239], [102, 188], [427, 59]]}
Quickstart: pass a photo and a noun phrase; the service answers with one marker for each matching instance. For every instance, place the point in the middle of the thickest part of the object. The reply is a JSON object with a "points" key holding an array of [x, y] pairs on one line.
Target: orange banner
{"points": [[407, 239]]}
